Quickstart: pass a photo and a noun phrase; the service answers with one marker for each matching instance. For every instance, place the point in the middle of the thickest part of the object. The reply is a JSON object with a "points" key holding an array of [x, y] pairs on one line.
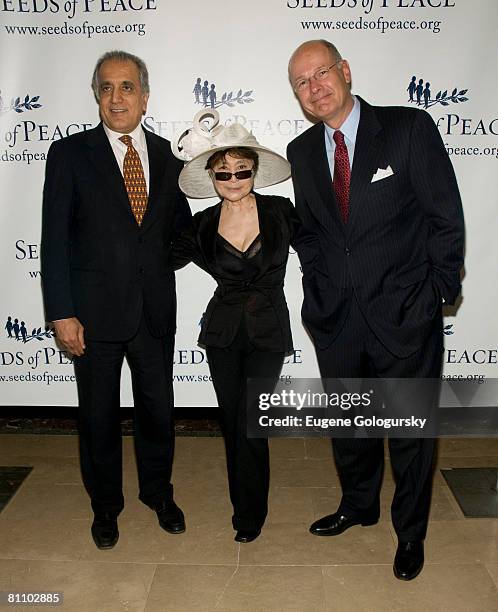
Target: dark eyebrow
{"points": [[127, 83]]}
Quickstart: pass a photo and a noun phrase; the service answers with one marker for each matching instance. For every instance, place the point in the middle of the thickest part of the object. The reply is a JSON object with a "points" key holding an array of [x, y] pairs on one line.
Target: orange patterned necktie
{"points": [[134, 180]]}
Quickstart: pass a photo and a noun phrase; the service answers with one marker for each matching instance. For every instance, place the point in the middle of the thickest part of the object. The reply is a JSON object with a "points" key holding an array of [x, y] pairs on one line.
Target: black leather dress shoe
{"points": [[246, 535], [335, 524], [409, 560], [171, 518], [105, 532]]}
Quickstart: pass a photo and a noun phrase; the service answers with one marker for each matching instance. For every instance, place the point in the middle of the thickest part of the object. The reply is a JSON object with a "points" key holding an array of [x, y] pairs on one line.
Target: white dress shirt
{"points": [[349, 128]]}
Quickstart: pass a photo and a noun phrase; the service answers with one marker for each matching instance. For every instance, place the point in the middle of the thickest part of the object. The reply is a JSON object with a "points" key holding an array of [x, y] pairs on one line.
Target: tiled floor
{"points": [[45, 541]]}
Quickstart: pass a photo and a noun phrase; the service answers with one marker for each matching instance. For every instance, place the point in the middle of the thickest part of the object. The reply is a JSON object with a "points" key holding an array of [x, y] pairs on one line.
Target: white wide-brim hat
{"points": [[196, 145]]}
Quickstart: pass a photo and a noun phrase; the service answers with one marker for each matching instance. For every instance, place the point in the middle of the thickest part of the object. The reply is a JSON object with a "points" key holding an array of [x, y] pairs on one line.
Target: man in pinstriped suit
{"points": [[376, 186]]}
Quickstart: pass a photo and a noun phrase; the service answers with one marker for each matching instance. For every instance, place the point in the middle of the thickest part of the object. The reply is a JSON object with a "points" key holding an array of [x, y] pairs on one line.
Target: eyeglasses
{"points": [[226, 176], [319, 75]]}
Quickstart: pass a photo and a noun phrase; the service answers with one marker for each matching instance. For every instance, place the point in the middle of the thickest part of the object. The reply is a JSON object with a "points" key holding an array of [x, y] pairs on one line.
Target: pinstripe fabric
{"points": [[402, 248], [96, 265], [358, 353], [116, 280], [373, 286]]}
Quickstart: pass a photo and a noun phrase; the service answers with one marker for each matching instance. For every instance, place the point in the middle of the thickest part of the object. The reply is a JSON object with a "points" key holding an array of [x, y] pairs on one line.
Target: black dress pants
{"points": [[247, 458], [357, 353], [98, 375]]}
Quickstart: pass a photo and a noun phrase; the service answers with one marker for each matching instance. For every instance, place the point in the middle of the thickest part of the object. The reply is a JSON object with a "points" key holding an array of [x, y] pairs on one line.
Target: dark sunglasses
{"points": [[226, 176]]}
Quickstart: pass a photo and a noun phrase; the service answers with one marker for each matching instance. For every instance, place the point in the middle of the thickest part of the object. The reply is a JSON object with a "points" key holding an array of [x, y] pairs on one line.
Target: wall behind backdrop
{"points": [[48, 49]]}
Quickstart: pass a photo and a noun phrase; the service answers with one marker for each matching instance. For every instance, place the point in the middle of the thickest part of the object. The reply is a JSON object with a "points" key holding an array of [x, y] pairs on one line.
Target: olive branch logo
{"points": [[448, 330], [28, 104], [445, 99], [241, 98], [20, 105], [41, 334]]}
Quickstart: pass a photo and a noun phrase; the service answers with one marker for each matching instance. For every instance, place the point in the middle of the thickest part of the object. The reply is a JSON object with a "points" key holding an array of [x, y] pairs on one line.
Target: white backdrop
{"points": [[48, 49]]}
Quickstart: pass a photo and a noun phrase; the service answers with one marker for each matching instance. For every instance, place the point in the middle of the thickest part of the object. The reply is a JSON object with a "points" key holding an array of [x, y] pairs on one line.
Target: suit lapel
{"points": [[269, 231], [156, 173], [317, 181], [327, 211], [207, 233], [103, 159], [367, 154]]}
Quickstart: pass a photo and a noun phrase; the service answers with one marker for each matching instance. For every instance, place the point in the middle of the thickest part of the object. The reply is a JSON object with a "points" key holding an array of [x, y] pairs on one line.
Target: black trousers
{"points": [[248, 463], [98, 375], [357, 353]]}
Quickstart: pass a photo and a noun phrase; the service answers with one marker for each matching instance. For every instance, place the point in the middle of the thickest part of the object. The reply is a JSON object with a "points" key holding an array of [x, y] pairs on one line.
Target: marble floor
{"points": [[45, 542]]}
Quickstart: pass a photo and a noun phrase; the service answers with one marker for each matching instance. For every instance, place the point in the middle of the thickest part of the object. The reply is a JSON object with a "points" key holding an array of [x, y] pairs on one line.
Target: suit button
{"points": [[140, 240], [141, 270], [347, 251]]}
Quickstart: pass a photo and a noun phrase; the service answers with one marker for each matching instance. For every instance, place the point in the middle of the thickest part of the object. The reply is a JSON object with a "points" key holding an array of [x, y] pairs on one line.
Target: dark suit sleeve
{"points": [[302, 240], [56, 234], [306, 241], [183, 215], [434, 183], [186, 248]]}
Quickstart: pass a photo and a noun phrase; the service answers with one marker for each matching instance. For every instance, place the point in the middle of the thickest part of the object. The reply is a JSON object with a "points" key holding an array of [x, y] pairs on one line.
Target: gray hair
{"points": [[334, 53], [121, 56]]}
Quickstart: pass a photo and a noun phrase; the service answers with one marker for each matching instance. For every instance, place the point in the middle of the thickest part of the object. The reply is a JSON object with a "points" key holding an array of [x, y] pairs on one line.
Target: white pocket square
{"points": [[382, 173]]}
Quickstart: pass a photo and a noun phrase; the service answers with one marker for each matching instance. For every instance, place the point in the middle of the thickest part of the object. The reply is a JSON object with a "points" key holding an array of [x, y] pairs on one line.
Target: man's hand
{"points": [[70, 333]]}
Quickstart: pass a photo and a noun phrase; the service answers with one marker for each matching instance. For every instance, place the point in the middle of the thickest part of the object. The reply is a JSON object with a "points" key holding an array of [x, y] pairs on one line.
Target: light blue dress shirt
{"points": [[349, 128]]}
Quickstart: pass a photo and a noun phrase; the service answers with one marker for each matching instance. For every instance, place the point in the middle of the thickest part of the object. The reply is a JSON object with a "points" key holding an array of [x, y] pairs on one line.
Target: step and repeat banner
{"points": [[434, 54]]}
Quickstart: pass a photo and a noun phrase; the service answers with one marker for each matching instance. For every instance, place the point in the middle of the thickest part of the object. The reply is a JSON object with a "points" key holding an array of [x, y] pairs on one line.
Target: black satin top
{"points": [[235, 264], [250, 283]]}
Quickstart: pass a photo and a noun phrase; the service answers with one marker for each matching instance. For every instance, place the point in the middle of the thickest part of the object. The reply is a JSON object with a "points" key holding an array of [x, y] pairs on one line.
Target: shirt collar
{"points": [[137, 137], [350, 127]]}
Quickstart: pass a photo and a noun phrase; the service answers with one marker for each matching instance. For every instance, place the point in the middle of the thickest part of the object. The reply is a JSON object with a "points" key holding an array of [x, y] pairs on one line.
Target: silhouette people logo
{"points": [[421, 95], [18, 331], [205, 94]]}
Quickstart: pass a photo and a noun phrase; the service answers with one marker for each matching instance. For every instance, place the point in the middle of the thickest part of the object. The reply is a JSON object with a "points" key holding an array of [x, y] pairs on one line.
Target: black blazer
{"points": [[260, 300], [97, 263], [402, 248]]}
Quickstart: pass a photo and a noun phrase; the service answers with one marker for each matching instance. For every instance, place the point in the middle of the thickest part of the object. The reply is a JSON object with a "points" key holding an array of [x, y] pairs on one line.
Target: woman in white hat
{"points": [[243, 243]]}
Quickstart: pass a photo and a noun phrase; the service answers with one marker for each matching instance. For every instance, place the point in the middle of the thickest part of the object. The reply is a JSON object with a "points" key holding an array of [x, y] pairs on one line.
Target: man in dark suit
{"points": [[111, 205], [377, 188]]}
